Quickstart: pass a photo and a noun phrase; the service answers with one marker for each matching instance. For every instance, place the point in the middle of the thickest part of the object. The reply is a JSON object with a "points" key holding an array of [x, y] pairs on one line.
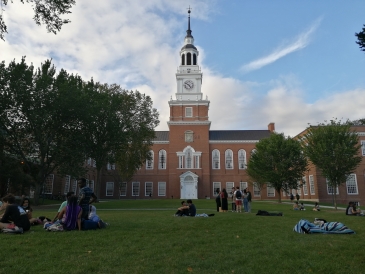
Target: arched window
{"points": [[242, 159], [183, 59], [194, 59], [188, 158], [215, 159], [229, 159], [149, 163], [188, 56], [162, 159]]}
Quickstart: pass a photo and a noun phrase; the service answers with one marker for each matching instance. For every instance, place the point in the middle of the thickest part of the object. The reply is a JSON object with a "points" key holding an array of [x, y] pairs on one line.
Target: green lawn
{"points": [[144, 237]]}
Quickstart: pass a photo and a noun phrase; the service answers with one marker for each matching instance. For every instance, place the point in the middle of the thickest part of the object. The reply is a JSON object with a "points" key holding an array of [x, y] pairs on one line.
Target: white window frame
{"points": [[89, 161], [135, 189], [109, 189], [74, 186], [363, 147], [188, 112], [305, 187], [311, 185], [123, 188], [215, 186], [229, 186], [242, 163], [149, 163], [216, 159], [270, 191], [350, 185], [256, 190], [161, 189], [243, 185], [162, 159], [148, 188], [228, 161], [48, 184], [91, 184], [330, 189], [94, 163], [189, 158], [67, 184]]}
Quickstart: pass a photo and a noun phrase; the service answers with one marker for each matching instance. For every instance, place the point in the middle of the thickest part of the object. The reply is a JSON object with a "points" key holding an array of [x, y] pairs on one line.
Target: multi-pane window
{"points": [[229, 186], [229, 159], [188, 112], [149, 163], [196, 161], [351, 184], [311, 185], [215, 186], [91, 184], [89, 161], [330, 189], [135, 188], [67, 184], [161, 188], [243, 185], [256, 190], [242, 159], [305, 187], [48, 185], [110, 166], [74, 186], [299, 191], [363, 148], [270, 191], [94, 163], [109, 188], [148, 189], [162, 159], [215, 159], [123, 188], [188, 158]]}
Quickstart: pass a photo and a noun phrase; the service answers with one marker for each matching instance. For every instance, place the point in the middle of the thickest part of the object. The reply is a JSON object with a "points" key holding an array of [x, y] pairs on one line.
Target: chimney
{"points": [[271, 127]]}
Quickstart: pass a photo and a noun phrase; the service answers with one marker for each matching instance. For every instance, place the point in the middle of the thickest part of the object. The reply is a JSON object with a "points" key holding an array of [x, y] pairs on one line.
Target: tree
{"points": [[334, 149], [279, 161], [118, 127], [39, 118], [46, 12], [361, 39]]}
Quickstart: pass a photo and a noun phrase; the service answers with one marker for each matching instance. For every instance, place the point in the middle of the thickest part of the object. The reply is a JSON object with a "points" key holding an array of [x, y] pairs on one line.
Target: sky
{"points": [[293, 63]]}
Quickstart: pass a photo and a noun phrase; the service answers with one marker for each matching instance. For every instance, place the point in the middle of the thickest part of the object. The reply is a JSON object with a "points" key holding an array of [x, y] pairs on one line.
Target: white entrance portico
{"points": [[188, 185]]}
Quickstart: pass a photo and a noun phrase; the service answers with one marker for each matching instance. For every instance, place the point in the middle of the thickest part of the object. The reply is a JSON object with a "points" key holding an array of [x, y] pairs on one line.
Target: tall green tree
{"points": [[361, 39], [117, 122], [279, 161], [45, 12], [39, 118], [334, 148]]}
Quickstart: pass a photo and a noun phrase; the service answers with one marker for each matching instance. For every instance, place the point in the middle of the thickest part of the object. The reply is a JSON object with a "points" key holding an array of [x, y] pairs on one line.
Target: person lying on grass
{"points": [[15, 217], [71, 214]]}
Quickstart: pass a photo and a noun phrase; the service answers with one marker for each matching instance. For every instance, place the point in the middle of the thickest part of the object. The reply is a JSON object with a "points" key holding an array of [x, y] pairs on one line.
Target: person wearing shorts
{"points": [[238, 197]]}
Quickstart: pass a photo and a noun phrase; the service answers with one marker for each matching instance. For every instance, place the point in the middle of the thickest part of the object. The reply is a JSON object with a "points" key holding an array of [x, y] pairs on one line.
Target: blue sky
{"points": [[288, 62]]}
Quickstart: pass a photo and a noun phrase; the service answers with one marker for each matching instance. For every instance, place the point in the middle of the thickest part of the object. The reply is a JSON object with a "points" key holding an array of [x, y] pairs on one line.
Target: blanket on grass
{"points": [[304, 226]]}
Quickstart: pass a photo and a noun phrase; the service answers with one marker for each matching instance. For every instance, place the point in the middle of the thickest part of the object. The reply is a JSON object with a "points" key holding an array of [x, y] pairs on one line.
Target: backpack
{"points": [[238, 194]]}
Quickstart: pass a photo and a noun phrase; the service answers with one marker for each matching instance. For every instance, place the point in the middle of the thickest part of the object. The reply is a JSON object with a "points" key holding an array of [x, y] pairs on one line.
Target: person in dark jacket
{"points": [[15, 217], [218, 199]]}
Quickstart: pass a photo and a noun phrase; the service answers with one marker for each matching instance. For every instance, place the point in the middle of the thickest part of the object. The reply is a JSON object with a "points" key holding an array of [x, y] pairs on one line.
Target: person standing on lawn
{"points": [[218, 199], [15, 217], [224, 199], [249, 199], [238, 196], [86, 197], [233, 202], [291, 197], [297, 197]]}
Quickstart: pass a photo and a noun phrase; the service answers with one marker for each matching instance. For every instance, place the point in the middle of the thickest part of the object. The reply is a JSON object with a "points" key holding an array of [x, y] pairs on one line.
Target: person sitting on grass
{"points": [[316, 207], [183, 210], [71, 214], [301, 207], [190, 207], [349, 209], [296, 206], [356, 212], [25, 204], [15, 218], [63, 205]]}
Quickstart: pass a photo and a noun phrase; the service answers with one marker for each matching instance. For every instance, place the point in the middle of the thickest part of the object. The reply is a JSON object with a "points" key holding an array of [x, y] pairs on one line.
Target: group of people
{"points": [[238, 198], [18, 218], [352, 210]]}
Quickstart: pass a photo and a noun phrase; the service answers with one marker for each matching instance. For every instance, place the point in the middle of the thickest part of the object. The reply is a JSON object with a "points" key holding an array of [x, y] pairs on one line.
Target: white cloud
{"points": [[300, 42]]}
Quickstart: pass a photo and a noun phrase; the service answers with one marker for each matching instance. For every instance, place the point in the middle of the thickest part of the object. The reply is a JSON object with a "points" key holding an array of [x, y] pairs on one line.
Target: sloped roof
{"points": [[238, 135], [223, 135]]}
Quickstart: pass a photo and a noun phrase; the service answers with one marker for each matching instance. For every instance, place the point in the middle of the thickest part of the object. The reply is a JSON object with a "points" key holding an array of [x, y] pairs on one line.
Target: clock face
{"points": [[188, 84]]}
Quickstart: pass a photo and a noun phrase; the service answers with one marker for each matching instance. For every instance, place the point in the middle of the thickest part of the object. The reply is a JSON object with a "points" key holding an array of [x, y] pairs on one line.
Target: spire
{"points": [[188, 32]]}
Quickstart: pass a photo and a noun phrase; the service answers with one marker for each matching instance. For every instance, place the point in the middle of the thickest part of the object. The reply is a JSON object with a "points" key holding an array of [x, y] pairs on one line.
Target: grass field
{"points": [[144, 237]]}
